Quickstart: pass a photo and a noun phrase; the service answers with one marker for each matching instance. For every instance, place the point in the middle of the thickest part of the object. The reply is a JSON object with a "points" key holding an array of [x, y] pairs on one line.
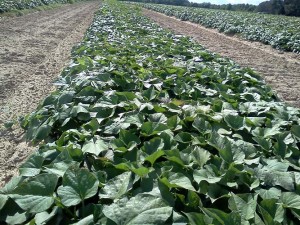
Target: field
{"points": [[281, 32], [13, 5], [148, 127]]}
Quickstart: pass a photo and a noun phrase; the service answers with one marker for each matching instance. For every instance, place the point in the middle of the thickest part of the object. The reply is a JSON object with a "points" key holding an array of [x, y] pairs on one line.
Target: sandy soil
{"points": [[281, 70], [33, 50]]}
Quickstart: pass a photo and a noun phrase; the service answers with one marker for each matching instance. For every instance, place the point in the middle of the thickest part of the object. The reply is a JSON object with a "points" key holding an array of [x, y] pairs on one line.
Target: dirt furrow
{"points": [[33, 50], [280, 70]]}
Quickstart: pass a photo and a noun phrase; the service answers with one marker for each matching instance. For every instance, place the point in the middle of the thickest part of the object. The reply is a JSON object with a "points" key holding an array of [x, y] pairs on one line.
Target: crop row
{"points": [[10, 5], [281, 32], [147, 127]]}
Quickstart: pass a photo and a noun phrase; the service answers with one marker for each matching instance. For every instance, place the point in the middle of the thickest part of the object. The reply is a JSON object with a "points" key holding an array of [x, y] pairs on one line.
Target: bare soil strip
{"points": [[280, 70], [33, 50]]}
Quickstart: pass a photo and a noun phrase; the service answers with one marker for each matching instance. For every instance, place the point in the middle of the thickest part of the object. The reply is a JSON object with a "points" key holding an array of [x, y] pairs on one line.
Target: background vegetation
{"points": [[283, 7]]}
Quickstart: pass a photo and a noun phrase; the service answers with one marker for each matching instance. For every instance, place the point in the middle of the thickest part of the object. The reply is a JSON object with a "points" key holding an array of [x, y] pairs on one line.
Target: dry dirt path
{"points": [[33, 50], [280, 70]]}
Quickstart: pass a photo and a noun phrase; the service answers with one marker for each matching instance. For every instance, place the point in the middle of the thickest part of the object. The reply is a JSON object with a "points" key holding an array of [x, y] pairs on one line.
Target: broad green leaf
{"points": [[235, 122], [272, 193], [80, 112], [221, 217], [296, 130], [207, 175], [60, 168], [178, 180], [150, 128], [245, 206], [77, 185], [35, 194], [66, 97], [179, 219], [153, 145], [174, 123], [154, 156], [42, 132], [265, 144], [129, 138], [290, 200], [94, 147], [141, 209], [11, 213], [158, 118], [200, 156], [271, 211], [44, 217], [202, 125], [150, 93], [116, 187], [183, 137], [32, 166], [195, 218], [223, 145], [89, 220]]}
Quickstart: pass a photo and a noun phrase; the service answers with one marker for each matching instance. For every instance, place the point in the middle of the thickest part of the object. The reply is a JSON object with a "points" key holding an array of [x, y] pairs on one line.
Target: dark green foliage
{"points": [[271, 7], [278, 31], [232, 7], [147, 127], [6, 5], [167, 2], [292, 7]]}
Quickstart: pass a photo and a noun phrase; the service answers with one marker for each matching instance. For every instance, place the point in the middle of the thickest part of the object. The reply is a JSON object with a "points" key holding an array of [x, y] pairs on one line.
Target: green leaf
{"points": [[139, 210], [153, 145], [32, 166], [183, 137], [206, 174], [129, 138], [221, 217], [296, 130], [116, 187], [80, 112], [89, 220], [202, 125], [35, 194], [94, 147], [223, 145], [44, 217], [235, 122], [174, 123], [78, 185], [42, 132], [153, 157], [271, 211], [290, 200], [178, 180], [150, 128], [200, 156], [196, 218], [150, 93], [11, 213], [245, 207], [272, 193]]}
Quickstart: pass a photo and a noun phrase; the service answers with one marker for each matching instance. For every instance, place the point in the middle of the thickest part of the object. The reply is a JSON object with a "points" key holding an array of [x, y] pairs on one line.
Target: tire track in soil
{"points": [[33, 50], [281, 70]]}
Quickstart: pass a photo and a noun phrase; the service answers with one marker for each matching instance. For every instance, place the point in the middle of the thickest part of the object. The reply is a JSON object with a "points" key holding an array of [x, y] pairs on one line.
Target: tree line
{"points": [[280, 7]]}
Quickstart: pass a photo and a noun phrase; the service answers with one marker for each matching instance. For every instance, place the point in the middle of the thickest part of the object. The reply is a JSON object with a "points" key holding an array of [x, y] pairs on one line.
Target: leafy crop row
{"points": [[281, 32], [9, 5], [147, 127]]}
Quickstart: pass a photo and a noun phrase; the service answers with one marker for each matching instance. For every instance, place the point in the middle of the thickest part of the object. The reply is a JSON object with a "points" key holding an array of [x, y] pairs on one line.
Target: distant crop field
{"points": [[281, 32], [6, 6]]}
